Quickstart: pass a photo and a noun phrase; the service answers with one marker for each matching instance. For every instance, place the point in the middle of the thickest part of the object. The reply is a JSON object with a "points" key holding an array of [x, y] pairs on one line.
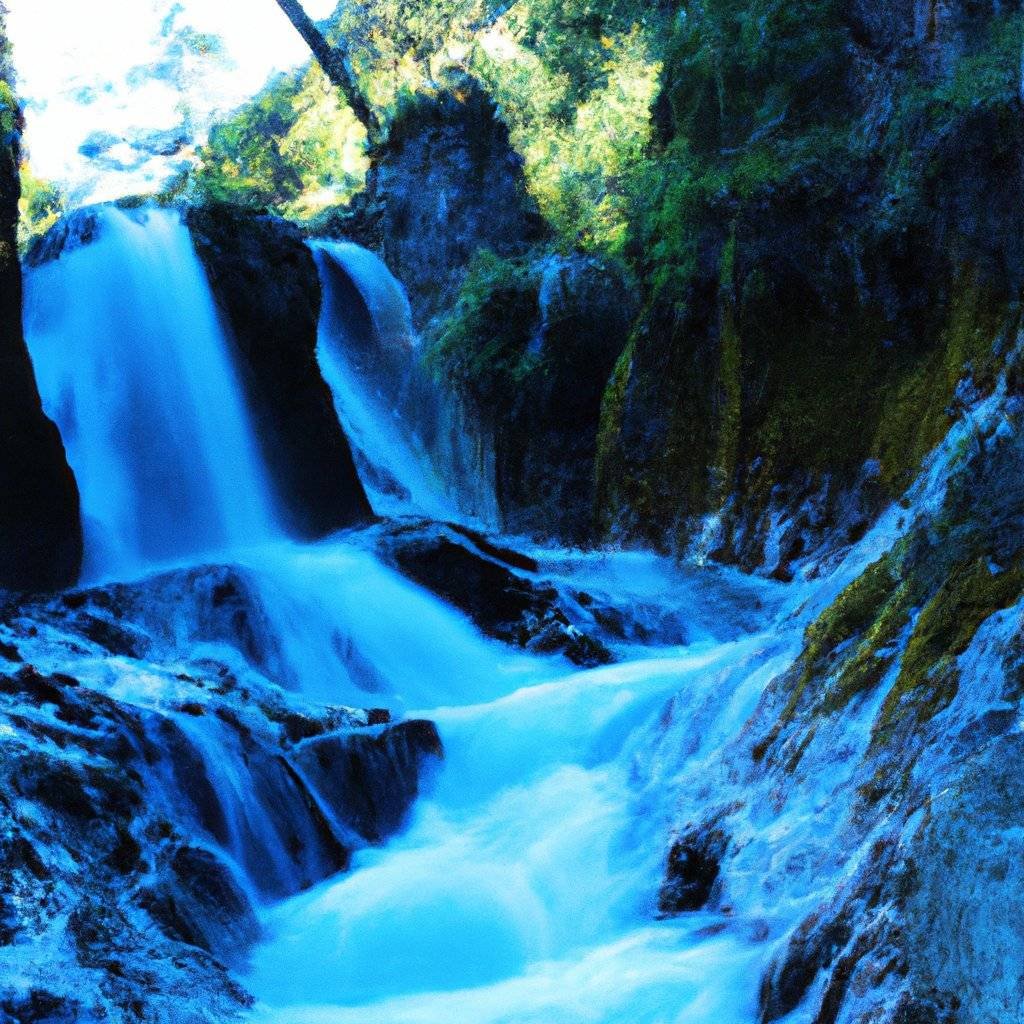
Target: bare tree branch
{"points": [[335, 62]]}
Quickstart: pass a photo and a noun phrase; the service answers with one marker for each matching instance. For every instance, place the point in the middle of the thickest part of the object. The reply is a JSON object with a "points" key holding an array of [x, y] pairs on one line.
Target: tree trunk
{"points": [[334, 60]]}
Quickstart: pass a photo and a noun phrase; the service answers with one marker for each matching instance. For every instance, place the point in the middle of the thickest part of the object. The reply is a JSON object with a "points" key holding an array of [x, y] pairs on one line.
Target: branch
{"points": [[335, 62]]}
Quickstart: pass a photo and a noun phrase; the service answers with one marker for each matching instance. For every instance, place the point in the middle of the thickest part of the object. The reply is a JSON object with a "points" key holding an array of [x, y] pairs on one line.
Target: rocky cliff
{"points": [[40, 533]]}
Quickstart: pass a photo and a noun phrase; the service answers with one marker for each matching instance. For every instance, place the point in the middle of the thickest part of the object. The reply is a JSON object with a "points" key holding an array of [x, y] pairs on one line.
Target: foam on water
{"points": [[415, 452]]}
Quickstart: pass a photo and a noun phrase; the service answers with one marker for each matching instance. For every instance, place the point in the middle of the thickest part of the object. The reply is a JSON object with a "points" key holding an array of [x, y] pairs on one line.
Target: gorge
{"points": [[545, 582]]}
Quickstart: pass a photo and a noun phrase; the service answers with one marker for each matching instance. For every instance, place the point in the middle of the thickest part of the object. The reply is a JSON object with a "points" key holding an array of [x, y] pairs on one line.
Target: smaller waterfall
{"points": [[134, 368], [412, 445]]}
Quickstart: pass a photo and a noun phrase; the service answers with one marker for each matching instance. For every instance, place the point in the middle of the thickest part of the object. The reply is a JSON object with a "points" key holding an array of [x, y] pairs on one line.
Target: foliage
{"points": [[41, 205], [484, 346], [297, 149], [583, 162]]}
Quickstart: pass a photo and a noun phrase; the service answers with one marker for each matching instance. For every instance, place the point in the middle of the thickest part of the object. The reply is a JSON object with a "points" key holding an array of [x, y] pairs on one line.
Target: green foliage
{"points": [[741, 68], [484, 346], [580, 114], [296, 149], [41, 205]]}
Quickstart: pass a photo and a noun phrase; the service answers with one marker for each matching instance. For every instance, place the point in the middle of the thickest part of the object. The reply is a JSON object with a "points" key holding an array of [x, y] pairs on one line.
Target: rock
{"points": [[266, 284], [446, 184], [157, 791], [813, 948], [370, 782], [74, 230], [691, 872], [201, 904], [546, 437], [479, 581], [40, 531]]}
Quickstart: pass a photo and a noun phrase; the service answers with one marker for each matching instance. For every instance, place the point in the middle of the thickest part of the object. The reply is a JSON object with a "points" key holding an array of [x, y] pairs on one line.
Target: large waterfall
{"points": [[135, 369]]}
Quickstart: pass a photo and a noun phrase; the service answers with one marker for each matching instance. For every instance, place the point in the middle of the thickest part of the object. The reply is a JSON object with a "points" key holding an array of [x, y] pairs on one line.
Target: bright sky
{"points": [[111, 74]]}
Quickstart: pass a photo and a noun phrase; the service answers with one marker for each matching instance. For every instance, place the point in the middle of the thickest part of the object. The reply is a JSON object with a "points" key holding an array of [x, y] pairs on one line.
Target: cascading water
{"points": [[134, 368], [415, 454], [525, 889]]}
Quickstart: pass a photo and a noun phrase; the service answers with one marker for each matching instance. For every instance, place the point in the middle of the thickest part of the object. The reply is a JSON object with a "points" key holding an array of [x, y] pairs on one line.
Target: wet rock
{"points": [[79, 228], [370, 782], [154, 795], [813, 948], [40, 1007], [479, 581], [266, 284], [691, 872], [446, 184], [202, 905], [546, 435]]}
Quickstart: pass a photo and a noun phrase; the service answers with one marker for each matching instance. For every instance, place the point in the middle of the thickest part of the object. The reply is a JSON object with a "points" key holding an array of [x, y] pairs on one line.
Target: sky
{"points": [[117, 91]]}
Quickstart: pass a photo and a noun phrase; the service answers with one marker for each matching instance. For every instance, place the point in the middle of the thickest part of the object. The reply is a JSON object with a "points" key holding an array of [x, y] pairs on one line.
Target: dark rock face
{"points": [[265, 281], [691, 872], [40, 530], [487, 583], [446, 184], [814, 947], [825, 320], [546, 429], [368, 781]]}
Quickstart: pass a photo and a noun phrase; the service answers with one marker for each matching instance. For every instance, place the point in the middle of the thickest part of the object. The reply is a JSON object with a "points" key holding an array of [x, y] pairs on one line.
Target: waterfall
{"points": [[135, 369], [414, 448]]}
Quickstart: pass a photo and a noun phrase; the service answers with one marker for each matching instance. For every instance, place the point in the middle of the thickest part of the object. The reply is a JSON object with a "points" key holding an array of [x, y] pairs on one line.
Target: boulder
{"points": [[265, 282], [487, 583]]}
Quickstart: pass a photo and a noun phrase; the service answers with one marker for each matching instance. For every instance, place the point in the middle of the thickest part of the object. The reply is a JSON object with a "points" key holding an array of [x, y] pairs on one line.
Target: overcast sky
{"points": [[92, 73]]}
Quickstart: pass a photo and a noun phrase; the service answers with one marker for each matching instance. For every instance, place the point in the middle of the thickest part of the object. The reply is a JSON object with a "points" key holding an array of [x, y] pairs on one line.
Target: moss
{"points": [[857, 609], [918, 405], [612, 408], [483, 345], [928, 678]]}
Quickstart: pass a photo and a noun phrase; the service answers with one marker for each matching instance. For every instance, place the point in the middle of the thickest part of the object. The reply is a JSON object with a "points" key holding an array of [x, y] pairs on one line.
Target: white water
{"points": [[525, 889], [134, 368], [413, 451]]}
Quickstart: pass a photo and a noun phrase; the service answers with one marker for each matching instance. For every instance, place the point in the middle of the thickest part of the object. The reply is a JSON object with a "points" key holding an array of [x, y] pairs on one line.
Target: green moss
{"points": [[917, 405], [606, 464], [856, 612], [928, 678], [483, 345]]}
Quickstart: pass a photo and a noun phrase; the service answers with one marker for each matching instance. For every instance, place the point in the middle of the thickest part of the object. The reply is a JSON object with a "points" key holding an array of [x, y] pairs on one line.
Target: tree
{"points": [[335, 62]]}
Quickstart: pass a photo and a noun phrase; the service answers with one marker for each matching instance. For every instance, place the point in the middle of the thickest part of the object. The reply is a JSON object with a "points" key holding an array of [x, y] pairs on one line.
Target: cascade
{"points": [[135, 369], [416, 453]]}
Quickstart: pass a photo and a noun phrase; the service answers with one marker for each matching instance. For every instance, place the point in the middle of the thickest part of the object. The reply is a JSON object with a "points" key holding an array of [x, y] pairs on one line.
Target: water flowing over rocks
{"points": [[155, 795], [266, 284]]}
